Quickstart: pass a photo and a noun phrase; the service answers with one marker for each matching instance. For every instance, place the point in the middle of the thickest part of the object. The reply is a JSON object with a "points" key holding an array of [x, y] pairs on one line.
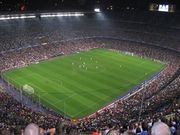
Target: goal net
{"points": [[28, 89]]}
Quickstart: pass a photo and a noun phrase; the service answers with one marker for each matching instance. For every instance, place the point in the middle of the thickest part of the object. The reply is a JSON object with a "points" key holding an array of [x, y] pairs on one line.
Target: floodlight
{"points": [[8, 17], [97, 10], [62, 14]]}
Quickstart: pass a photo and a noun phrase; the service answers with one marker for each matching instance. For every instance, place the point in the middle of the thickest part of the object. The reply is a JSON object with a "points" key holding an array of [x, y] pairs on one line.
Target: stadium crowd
{"points": [[33, 32], [14, 115], [154, 100], [30, 55]]}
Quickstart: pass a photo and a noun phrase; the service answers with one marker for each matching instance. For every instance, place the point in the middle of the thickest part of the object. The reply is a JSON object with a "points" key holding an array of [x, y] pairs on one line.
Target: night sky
{"points": [[32, 5]]}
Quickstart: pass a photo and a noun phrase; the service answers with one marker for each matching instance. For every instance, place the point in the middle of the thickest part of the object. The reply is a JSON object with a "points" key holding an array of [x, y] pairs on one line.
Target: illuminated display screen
{"points": [[163, 8]]}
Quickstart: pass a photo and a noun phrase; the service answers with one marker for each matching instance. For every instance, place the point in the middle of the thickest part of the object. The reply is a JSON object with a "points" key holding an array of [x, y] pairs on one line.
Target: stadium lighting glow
{"points": [[16, 17], [62, 14], [97, 10], [24, 16]]}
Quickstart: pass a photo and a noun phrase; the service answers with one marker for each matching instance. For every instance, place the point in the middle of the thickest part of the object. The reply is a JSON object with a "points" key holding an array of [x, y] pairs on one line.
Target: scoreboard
{"points": [[162, 7]]}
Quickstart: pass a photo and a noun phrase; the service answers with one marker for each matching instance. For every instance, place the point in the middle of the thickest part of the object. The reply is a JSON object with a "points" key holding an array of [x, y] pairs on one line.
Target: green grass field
{"points": [[80, 84]]}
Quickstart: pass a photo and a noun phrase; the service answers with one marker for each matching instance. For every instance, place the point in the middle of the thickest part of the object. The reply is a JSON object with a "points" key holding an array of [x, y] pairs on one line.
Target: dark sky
{"points": [[16, 5], [46, 4]]}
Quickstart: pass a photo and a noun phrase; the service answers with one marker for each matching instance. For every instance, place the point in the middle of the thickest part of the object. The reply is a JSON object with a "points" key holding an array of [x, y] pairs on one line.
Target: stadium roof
{"points": [[30, 5]]}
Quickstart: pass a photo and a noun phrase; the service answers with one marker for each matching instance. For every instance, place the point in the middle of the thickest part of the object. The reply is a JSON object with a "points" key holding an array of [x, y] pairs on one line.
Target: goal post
{"points": [[28, 89]]}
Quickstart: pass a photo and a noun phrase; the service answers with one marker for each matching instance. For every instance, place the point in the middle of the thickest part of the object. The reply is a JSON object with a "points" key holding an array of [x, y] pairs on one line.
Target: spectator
{"points": [[32, 129], [129, 133], [160, 128], [144, 129]]}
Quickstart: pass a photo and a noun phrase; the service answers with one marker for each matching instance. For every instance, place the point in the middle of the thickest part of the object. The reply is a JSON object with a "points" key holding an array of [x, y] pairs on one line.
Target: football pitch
{"points": [[81, 83]]}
